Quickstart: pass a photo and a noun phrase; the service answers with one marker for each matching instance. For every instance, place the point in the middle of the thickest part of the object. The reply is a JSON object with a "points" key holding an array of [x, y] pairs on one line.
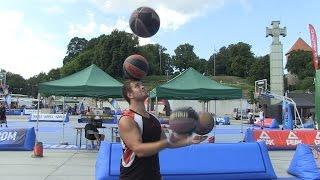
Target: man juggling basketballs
{"points": [[141, 134]]}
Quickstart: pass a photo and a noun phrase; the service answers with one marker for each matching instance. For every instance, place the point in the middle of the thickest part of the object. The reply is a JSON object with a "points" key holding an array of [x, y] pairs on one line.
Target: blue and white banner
{"points": [[223, 120], [12, 136], [287, 119], [17, 139], [30, 111], [50, 117]]}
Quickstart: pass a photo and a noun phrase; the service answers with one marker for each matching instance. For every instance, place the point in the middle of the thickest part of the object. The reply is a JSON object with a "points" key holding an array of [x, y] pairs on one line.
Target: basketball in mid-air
{"points": [[205, 123], [144, 22], [183, 120], [135, 67]]}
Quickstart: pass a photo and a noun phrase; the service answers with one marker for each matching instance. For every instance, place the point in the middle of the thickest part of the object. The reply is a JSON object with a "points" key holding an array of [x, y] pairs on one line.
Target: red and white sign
{"points": [[286, 139], [313, 37], [267, 122]]}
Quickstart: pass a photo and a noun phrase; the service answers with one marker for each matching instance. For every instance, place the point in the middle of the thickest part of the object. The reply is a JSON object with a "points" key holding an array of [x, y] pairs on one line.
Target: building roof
{"points": [[303, 99], [300, 44]]}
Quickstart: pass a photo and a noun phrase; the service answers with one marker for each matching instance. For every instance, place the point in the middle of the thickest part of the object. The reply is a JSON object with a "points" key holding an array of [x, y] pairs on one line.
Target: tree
{"points": [[240, 59], [153, 53], [75, 46], [17, 84], [185, 57], [220, 65], [251, 99], [260, 69], [107, 51], [33, 83], [202, 66], [300, 63], [54, 74], [234, 60], [306, 84]]}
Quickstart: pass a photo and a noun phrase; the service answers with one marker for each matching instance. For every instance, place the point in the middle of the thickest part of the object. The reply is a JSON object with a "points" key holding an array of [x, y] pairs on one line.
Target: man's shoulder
{"points": [[128, 113]]}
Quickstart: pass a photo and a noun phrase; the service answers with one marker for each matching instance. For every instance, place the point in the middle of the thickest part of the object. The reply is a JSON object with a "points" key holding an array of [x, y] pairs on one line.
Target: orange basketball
{"points": [[135, 67], [205, 123], [183, 120]]}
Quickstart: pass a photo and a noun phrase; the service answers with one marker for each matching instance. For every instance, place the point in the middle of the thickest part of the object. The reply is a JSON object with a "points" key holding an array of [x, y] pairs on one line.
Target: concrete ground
{"points": [[55, 165], [66, 164], [80, 165]]}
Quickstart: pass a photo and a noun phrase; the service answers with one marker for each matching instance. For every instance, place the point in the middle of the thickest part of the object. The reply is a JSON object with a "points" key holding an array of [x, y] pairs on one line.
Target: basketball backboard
{"points": [[260, 87]]}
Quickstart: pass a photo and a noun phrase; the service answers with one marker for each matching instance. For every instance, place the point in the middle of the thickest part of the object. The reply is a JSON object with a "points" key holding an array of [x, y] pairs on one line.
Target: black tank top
{"points": [[133, 167]]}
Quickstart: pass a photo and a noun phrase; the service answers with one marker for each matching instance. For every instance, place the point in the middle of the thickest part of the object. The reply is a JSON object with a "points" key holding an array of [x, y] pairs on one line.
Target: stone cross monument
{"points": [[276, 59]]}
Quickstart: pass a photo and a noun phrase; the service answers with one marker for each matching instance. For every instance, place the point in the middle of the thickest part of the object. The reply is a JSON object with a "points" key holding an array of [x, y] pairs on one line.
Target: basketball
{"points": [[183, 120], [144, 22], [205, 123], [135, 67]]}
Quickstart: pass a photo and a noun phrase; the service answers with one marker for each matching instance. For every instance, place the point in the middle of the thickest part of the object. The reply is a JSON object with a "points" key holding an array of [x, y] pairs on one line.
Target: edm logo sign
{"points": [[12, 136]]}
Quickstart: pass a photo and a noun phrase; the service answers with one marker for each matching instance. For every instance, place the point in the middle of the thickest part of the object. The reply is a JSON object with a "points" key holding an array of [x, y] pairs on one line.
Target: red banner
{"points": [[267, 122], [313, 37], [285, 139]]}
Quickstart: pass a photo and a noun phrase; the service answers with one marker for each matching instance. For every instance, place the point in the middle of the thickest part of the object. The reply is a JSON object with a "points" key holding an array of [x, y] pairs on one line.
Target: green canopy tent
{"points": [[89, 82], [192, 85]]}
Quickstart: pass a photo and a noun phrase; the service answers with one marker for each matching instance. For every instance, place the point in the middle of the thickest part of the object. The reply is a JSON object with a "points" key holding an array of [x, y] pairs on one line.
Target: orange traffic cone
{"points": [[38, 150]]}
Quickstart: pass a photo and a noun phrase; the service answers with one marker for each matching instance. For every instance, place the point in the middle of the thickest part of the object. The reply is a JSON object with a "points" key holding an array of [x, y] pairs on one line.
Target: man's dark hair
{"points": [[125, 89]]}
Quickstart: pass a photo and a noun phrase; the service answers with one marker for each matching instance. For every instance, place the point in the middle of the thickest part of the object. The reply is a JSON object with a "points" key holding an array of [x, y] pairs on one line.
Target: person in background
{"points": [[3, 117], [261, 117], [92, 133], [75, 109]]}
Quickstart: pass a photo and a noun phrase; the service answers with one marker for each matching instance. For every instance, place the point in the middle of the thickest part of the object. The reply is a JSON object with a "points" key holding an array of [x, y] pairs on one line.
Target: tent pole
{"points": [[63, 115], [241, 116], [203, 106], [207, 106], [38, 112], [215, 118], [157, 106], [149, 102]]}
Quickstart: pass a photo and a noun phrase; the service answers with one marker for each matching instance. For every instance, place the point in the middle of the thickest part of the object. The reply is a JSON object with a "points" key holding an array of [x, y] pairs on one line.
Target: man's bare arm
{"points": [[130, 134]]}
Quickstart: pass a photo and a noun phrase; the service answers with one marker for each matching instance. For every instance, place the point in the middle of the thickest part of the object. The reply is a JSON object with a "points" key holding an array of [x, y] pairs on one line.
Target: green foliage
{"points": [[185, 57], [251, 99], [240, 59], [300, 63], [202, 66], [260, 69], [220, 65], [155, 54], [75, 46], [233, 65], [17, 84], [306, 84], [54, 74], [107, 51], [234, 60]]}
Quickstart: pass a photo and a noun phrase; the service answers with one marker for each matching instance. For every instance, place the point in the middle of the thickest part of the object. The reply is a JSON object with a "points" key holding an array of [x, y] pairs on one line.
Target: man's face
{"points": [[138, 92]]}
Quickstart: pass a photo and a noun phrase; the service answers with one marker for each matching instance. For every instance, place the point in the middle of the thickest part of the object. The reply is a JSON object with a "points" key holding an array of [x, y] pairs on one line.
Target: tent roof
{"points": [[191, 85], [89, 82]]}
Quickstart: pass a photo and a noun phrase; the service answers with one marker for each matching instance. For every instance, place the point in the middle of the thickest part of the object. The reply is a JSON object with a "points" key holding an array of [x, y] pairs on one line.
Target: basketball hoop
{"points": [[260, 87]]}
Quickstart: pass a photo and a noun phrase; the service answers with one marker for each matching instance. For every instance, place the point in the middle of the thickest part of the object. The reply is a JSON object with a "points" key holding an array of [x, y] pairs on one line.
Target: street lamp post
{"points": [[214, 64], [214, 61], [160, 60]]}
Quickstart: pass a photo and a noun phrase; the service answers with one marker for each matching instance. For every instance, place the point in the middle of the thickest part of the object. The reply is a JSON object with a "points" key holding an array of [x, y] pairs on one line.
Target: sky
{"points": [[34, 34]]}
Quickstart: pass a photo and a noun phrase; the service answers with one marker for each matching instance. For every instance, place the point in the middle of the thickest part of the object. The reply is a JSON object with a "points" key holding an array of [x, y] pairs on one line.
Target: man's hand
{"points": [[198, 139], [178, 140]]}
